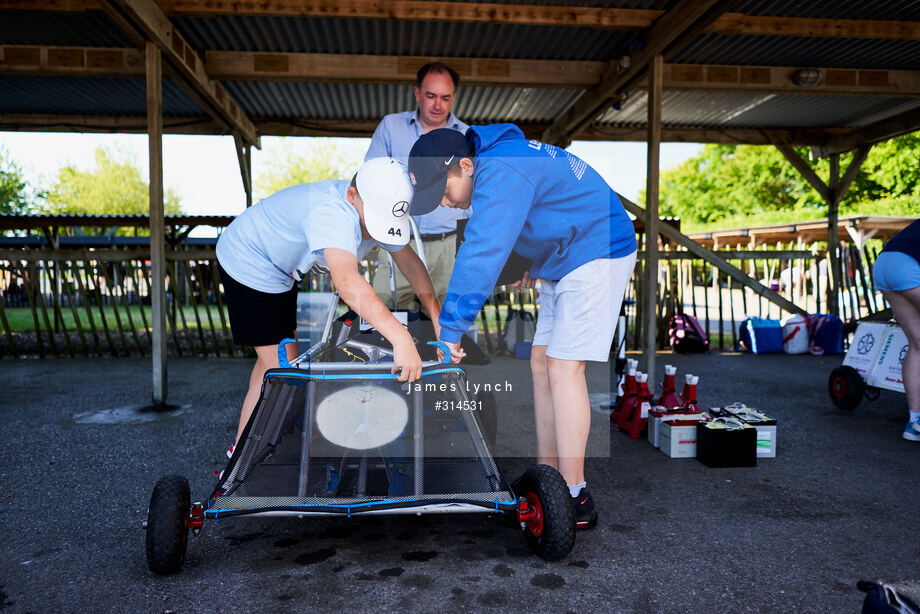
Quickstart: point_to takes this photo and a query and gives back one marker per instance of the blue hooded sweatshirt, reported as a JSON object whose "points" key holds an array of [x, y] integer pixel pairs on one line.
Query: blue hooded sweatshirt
{"points": [[543, 202]]}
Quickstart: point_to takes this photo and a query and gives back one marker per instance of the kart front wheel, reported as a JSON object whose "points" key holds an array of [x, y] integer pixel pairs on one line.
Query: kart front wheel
{"points": [[167, 528]]}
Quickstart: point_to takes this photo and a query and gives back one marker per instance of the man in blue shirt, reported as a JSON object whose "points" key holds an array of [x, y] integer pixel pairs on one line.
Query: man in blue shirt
{"points": [[394, 137], [552, 208]]}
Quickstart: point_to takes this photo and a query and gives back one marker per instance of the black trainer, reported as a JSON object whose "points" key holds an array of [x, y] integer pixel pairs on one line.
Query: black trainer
{"points": [[585, 514]]}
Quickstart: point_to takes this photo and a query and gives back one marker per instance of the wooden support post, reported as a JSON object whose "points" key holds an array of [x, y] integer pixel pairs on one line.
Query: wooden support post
{"points": [[833, 238], [244, 156], [832, 192], [650, 297], [157, 224]]}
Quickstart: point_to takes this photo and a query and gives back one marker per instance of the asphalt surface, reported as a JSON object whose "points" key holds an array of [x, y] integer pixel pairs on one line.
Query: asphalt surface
{"points": [[794, 534]]}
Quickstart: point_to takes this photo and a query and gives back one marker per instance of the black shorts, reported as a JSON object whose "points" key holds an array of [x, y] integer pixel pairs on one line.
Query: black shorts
{"points": [[258, 318]]}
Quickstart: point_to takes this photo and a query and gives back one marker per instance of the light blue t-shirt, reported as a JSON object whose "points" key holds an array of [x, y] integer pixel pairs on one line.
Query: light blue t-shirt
{"points": [[276, 241], [394, 137]]}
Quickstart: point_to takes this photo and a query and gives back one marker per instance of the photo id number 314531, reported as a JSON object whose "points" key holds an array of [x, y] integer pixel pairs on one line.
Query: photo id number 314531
{"points": [[458, 405]]}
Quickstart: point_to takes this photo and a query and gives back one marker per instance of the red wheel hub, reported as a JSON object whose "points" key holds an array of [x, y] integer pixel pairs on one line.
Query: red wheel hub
{"points": [[530, 513], [194, 521], [840, 387]]}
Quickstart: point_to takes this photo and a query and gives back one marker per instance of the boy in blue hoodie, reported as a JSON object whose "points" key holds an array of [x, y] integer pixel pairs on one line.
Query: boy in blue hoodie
{"points": [[554, 209]]}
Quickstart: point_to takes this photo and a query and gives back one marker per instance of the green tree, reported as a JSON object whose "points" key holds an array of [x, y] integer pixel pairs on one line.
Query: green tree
{"points": [[324, 159], [14, 192], [725, 184], [114, 187], [894, 167]]}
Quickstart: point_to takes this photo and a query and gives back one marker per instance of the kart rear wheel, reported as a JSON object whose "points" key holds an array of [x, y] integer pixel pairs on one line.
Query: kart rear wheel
{"points": [[551, 532], [846, 387], [167, 531]]}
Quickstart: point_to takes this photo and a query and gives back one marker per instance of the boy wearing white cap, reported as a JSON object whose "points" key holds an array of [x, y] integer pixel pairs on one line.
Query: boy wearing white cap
{"points": [[324, 226]]}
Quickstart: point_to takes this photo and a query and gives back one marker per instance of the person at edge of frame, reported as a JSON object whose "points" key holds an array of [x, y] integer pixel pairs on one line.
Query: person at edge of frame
{"points": [[897, 275]]}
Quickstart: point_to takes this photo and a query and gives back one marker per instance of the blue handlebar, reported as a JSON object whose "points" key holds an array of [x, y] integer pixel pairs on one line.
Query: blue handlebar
{"points": [[444, 348], [282, 352]]}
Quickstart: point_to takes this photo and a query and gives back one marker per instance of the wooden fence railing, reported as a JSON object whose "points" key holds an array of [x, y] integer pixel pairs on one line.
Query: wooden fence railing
{"points": [[95, 302]]}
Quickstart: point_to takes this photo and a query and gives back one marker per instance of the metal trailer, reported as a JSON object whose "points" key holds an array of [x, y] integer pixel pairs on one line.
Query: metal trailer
{"points": [[872, 363]]}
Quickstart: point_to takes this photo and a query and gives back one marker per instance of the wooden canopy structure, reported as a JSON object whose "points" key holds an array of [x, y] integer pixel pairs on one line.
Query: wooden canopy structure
{"points": [[859, 229], [832, 75]]}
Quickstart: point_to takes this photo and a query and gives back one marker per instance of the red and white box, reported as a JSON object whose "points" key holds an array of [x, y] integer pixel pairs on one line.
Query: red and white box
{"points": [[659, 414], [677, 437]]}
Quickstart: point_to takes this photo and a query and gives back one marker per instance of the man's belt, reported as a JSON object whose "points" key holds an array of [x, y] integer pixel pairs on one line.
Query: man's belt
{"points": [[438, 236]]}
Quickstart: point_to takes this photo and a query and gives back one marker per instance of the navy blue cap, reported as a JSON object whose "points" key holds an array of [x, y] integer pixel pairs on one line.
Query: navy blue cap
{"points": [[433, 154]]}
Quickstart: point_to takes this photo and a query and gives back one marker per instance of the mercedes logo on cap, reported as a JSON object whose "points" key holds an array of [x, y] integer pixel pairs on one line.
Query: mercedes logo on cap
{"points": [[400, 208]]}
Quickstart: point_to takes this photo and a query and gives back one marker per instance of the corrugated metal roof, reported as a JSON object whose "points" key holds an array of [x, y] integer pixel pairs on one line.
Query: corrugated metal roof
{"points": [[89, 96], [895, 10], [91, 29], [377, 36], [304, 101], [362, 101], [801, 51], [710, 109]]}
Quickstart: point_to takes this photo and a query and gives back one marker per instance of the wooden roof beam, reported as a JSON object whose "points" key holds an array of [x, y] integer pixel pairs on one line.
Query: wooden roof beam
{"points": [[905, 123], [365, 127], [364, 68], [517, 14], [144, 18], [667, 34]]}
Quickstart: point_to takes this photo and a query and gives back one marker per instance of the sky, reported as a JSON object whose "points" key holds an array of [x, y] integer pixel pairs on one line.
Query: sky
{"points": [[204, 172]]}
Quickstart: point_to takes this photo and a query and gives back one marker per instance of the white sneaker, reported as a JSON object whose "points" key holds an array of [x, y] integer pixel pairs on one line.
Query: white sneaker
{"points": [[230, 451]]}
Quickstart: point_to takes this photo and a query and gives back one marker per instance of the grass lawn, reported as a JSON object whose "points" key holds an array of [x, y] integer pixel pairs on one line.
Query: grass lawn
{"points": [[20, 318]]}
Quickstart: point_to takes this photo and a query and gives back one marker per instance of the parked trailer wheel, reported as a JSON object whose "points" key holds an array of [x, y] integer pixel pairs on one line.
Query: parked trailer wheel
{"points": [[549, 523], [167, 530], [846, 387]]}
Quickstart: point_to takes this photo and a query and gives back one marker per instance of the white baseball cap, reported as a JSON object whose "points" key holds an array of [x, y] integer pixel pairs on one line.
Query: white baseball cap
{"points": [[385, 189]]}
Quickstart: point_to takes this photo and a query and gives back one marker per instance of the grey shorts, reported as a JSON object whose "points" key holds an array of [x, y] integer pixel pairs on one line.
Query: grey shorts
{"points": [[579, 313]]}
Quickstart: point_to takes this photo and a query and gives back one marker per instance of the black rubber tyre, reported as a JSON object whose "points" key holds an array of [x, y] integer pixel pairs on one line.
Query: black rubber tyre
{"points": [[488, 418], [167, 534], [846, 388], [558, 535]]}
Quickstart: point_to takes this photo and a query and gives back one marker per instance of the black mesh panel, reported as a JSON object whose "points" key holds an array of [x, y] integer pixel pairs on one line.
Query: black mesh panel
{"points": [[347, 439]]}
